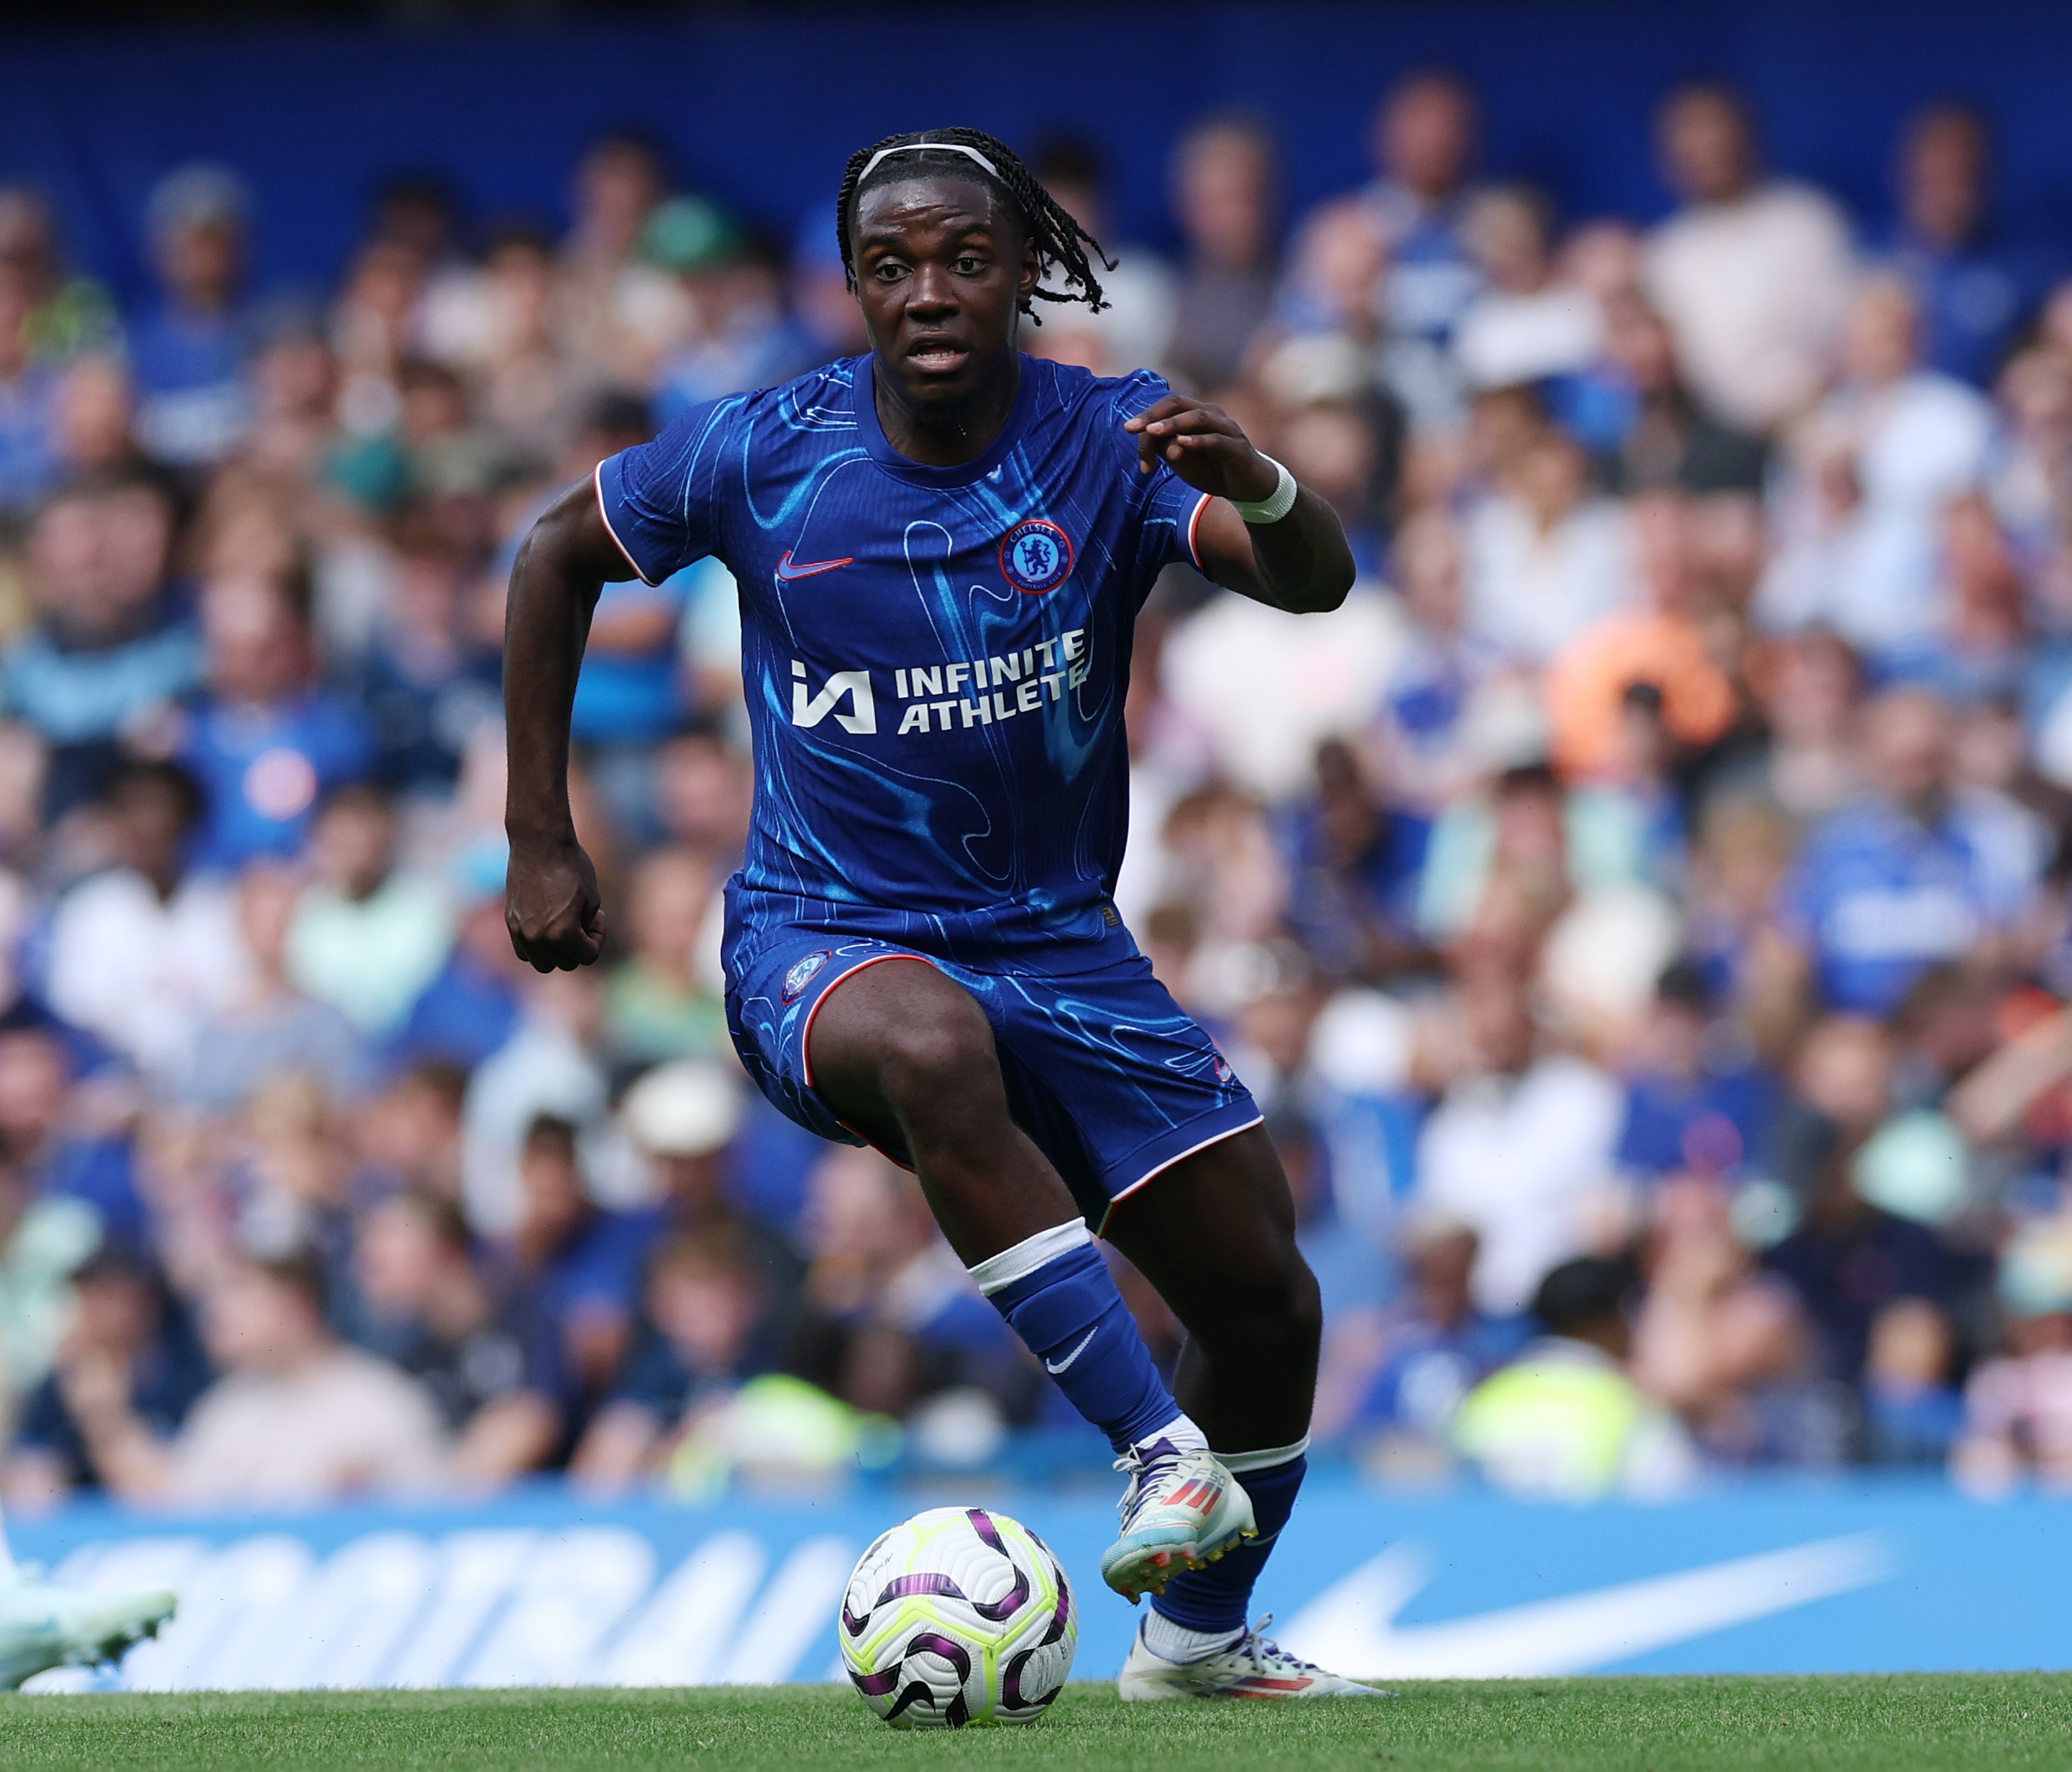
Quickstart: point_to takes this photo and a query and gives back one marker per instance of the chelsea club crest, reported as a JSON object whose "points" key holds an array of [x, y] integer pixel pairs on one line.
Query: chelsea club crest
{"points": [[803, 972], [1036, 556]]}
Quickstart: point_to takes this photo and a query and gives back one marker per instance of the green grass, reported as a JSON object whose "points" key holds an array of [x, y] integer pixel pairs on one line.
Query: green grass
{"points": [[1893, 1724]]}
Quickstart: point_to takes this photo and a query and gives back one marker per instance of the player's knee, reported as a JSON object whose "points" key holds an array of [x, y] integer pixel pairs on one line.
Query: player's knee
{"points": [[1290, 1315], [929, 1066], [1273, 1315], [1304, 1314]]}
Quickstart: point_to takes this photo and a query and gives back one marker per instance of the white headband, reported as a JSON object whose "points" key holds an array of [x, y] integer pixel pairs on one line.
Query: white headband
{"points": [[870, 166]]}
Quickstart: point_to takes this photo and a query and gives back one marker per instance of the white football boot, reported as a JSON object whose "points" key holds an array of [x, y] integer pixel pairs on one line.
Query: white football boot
{"points": [[1182, 1510], [43, 1626], [1253, 1667]]}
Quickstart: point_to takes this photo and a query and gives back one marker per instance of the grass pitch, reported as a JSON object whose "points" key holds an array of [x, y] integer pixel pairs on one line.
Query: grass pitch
{"points": [[1929, 1722]]}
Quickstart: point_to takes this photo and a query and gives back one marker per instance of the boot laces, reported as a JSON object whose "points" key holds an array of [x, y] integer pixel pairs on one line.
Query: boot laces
{"points": [[1137, 1468], [1266, 1656]]}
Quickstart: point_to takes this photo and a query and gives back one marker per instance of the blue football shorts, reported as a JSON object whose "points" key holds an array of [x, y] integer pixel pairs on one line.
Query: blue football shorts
{"points": [[1113, 1080]]}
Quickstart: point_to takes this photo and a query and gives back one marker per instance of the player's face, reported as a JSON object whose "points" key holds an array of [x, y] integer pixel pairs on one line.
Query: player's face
{"points": [[940, 272]]}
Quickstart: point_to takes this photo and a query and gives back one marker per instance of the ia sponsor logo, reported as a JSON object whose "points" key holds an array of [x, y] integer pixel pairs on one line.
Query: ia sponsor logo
{"points": [[853, 685]]}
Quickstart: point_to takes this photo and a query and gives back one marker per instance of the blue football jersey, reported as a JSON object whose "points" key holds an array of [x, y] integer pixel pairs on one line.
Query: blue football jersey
{"points": [[935, 658], [1878, 899]]}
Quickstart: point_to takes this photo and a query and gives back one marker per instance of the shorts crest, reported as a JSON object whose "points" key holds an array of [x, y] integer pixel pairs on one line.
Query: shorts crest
{"points": [[1036, 556], [803, 971]]}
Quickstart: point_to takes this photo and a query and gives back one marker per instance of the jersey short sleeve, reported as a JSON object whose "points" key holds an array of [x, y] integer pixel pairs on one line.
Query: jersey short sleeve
{"points": [[661, 500], [1172, 519]]}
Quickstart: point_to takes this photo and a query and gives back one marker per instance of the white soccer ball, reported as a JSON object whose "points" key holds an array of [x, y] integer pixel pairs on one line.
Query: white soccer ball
{"points": [[959, 1615]]}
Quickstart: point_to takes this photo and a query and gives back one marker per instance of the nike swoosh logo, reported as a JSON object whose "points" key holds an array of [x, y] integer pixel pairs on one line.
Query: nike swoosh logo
{"points": [[788, 572], [1076, 1352], [1352, 1623]]}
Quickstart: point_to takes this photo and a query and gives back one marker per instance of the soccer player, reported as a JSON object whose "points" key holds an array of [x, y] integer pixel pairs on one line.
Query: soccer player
{"points": [[44, 1625], [941, 546]]}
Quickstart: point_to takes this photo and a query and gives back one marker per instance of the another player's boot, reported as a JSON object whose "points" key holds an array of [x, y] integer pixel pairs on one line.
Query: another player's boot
{"points": [[1182, 1510], [43, 1626], [1253, 1667]]}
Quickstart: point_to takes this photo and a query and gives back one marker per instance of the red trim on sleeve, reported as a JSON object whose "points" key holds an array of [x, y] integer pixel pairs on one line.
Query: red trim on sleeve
{"points": [[1193, 525], [597, 485]]}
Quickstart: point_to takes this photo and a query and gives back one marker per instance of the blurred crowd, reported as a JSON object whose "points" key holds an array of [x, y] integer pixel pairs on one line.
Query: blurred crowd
{"points": [[1643, 910]]}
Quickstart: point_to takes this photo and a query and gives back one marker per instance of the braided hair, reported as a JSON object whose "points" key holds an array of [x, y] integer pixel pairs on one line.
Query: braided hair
{"points": [[1060, 242]]}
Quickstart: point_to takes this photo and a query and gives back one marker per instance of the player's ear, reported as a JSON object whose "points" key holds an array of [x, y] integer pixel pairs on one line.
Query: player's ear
{"points": [[1032, 269]]}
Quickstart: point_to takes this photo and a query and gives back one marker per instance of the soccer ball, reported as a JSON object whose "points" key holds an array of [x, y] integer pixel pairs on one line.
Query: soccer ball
{"points": [[958, 1616]]}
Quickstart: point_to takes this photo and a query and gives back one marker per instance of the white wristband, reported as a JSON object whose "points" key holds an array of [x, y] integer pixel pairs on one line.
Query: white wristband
{"points": [[1276, 505]]}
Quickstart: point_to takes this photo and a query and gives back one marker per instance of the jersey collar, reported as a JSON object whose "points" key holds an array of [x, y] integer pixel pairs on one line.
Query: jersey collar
{"points": [[921, 473]]}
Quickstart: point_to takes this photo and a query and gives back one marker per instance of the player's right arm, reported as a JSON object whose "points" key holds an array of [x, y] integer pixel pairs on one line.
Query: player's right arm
{"points": [[551, 902]]}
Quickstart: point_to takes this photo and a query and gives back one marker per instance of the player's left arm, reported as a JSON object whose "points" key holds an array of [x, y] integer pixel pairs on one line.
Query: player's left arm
{"points": [[1302, 563]]}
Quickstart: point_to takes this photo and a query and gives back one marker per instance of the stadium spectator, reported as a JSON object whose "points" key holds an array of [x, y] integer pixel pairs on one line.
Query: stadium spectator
{"points": [[1726, 1345], [188, 351], [266, 742], [427, 684], [2018, 1405], [472, 1006], [579, 1268], [706, 1325], [1909, 873], [368, 936], [1546, 557], [1423, 144], [1392, 1379], [28, 462], [1520, 1148], [411, 1130], [1425, 272], [1751, 273], [1525, 325], [297, 1418], [1226, 175], [1977, 279], [1871, 473], [68, 1150], [1564, 1421], [531, 385], [890, 1316], [1848, 1260], [1912, 1415], [70, 314], [621, 313], [740, 335], [130, 1333], [268, 1028], [108, 654], [1632, 406], [1692, 1108], [1353, 864], [424, 1304], [549, 1066], [1421, 728], [46, 1236], [1515, 853], [656, 1003], [143, 950]]}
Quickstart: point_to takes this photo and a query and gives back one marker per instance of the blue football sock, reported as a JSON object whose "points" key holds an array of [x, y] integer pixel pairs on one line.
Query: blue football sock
{"points": [[1215, 1598], [1057, 1293]]}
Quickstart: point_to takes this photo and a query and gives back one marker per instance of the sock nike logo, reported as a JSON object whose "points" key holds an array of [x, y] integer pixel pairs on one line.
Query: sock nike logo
{"points": [[1060, 1365], [788, 572]]}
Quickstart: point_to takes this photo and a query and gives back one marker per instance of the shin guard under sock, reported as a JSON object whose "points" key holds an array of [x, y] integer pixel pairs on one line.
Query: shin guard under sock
{"points": [[1057, 1294]]}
